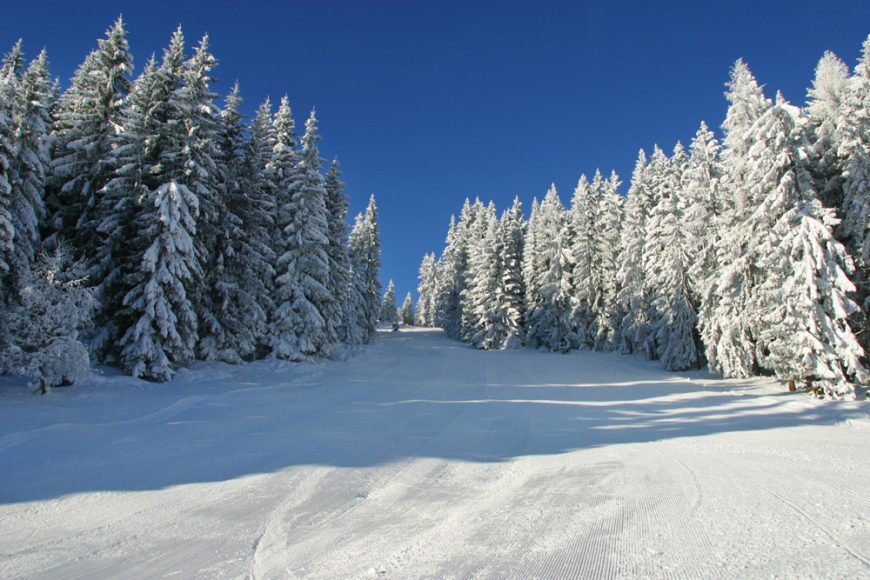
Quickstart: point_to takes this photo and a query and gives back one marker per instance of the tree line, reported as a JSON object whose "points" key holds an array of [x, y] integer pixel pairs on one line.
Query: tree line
{"points": [[145, 226], [750, 255]]}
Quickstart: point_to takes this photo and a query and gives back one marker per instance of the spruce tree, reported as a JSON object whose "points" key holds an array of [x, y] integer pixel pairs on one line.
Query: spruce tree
{"points": [[484, 292], [408, 315], [727, 327], [339, 267], [427, 290], [7, 153], [365, 259], [300, 329], [854, 149], [633, 297], [802, 302], [132, 154], [389, 310], [548, 319], [606, 311], [30, 164], [582, 226], [237, 269], [89, 115], [511, 241], [159, 319], [259, 209], [164, 329]]}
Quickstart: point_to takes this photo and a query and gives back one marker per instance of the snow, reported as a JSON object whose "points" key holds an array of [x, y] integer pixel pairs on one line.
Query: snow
{"points": [[422, 456]]}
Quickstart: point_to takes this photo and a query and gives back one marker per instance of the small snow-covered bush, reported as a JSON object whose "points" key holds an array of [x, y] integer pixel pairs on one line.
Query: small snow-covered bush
{"points": [[43, 327]]}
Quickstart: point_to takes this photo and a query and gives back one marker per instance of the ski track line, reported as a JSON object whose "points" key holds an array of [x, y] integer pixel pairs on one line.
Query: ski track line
{"points": [[685, 533]]}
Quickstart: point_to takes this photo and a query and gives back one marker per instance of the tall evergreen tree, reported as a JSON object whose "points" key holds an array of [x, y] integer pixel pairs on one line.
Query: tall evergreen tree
{"points": [[159, 320], [389, 310], [365, 260], [427, 290], [606, 312], [582, 226], [339, 267], [237, 269], [511, 241], [30, 163], [408, 315], [259, 208], [132, 154], [300, 329], [485, 329], [8, 86], [89, 116], [703, 209], [164, 331], [633, 297], [548, 319], [727, 327], [854, 149], [801, 304]]}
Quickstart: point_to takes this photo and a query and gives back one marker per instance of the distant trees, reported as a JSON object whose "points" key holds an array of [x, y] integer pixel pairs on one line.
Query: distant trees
{"points": [[172, 230], [750, 255]]}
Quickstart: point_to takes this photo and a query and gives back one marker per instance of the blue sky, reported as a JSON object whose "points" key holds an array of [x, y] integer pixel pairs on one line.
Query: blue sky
{"points": [[426, 103]]}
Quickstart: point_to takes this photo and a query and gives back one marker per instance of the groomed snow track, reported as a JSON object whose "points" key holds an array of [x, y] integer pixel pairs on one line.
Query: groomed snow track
{"points": [[422, 457]]}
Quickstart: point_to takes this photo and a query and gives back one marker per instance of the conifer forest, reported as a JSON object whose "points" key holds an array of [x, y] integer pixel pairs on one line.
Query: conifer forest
{"points": [[747, 253]]}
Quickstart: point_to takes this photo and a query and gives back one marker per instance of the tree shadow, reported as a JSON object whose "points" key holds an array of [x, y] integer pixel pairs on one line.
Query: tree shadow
{"points": [[373, 410]]}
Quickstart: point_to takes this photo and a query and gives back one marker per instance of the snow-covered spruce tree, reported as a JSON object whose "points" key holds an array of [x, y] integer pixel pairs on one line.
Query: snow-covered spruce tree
{"points": [[470, 233], [299, 328], [133, 152], [408, 315], [511, 240], [159, 320], [726, 322], [198, 122], [854, 149], [426, 290], [43, 328], [339, 267], [633, 297], [365, 259], [7, 153], [676, 335], [802, 300], [478, 272], [582, 224], [703, 208], [447, 297], [259, 211], [455, 269], [661, 181], [548, 318], [165, 327], [389, 310], [89, 115], [30, 163], [825, 102], [237, 268], [606, 311], [484, 291], [355, 306]]}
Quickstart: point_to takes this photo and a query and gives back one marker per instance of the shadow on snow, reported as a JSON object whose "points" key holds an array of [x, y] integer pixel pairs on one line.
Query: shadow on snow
{"points": [[412, 395]]}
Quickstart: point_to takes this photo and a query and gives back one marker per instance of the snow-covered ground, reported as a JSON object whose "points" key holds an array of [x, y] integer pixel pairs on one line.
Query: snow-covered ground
{"points": [[424, 457]]}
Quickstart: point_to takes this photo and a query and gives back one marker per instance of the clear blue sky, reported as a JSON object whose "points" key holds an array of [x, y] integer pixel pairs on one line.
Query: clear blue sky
{"points": [[426, 103]]}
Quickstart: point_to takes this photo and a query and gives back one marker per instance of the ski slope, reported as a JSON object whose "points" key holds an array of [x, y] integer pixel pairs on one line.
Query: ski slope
{"points": [[422, 457]]}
